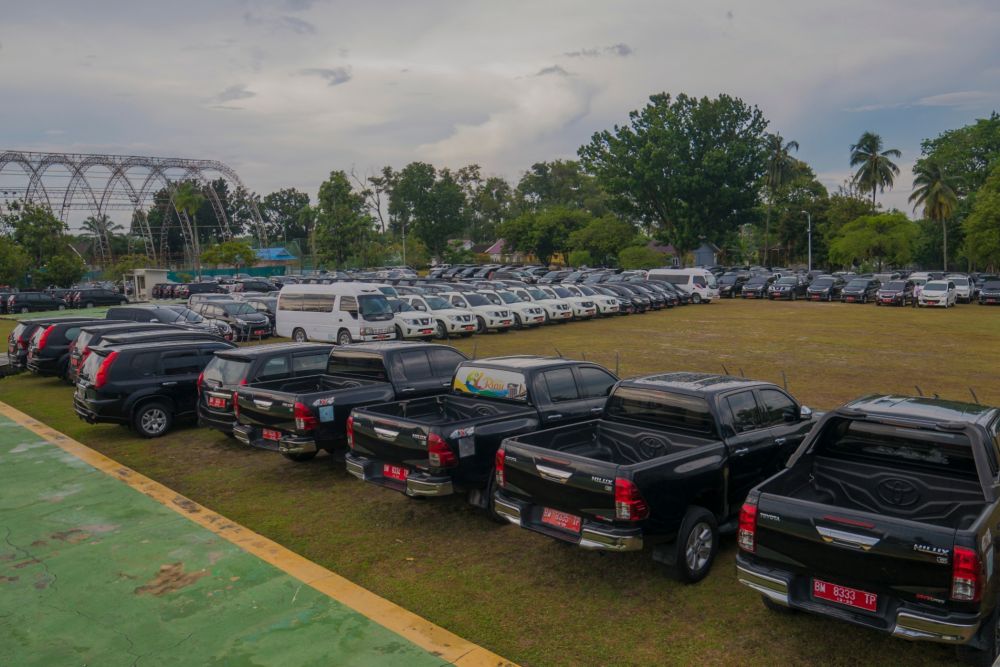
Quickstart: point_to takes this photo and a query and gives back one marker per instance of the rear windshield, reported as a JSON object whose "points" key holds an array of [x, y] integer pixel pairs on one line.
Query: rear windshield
{"points": [[662, 408], [227, 371], [356, 363], [83, 339], [897, 447], [18, 331], [90, 366], [932, 287]]}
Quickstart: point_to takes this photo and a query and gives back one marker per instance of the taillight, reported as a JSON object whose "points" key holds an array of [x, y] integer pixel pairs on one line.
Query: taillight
{"points": [[746, 535], [438, 453], [304, 419], [201, 380], [45, 337], [629, 503], [966, 575], [236, 405], [350, 431], [101, 378], [501, 460]]}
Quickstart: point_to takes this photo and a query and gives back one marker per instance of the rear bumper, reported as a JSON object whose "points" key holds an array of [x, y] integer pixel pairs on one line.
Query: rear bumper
{"points": [[220, 421], [99, 411], [916, 625], [417, 483], [592, 535], [288, 444]]}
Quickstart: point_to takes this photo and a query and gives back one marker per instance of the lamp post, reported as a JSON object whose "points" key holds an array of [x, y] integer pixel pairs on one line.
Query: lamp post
{"points": [[809, 232]]}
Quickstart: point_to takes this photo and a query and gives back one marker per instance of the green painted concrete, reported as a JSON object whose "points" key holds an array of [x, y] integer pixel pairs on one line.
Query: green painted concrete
{"points": [[93, 572]]}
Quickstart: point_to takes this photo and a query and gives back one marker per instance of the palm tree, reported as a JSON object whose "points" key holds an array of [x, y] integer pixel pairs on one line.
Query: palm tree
{"points": [[934, 190], [875, 170], [101, 228], [779, 163], [188, 199]]}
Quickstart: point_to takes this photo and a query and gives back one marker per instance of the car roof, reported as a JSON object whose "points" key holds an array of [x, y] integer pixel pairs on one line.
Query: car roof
{"points": [[696, 383], [260, 350], [389, 345], [56, 320], [183, 333], [922, 408], [167, 344]]}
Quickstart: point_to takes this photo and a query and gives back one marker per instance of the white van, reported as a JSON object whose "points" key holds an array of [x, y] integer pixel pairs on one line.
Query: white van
{"points": [[699, 283], [340, 312]]}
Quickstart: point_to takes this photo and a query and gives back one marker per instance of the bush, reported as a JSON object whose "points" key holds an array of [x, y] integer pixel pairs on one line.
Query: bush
{"points": [[580, 258]]}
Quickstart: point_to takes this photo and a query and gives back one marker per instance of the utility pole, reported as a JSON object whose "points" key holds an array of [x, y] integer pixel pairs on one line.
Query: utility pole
{"points": [[809, 232]]}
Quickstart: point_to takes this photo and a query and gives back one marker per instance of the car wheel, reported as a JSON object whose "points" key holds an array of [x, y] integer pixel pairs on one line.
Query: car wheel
{"points": [[344, 337], [776, 607], [696, 298], [518, 324], [442, 331], [990, 635], [399, 333], [89, 305], [62, 307], [480, 325], [25, 309], [301, 457], [697, 544], [152, 420], [299, 336]]}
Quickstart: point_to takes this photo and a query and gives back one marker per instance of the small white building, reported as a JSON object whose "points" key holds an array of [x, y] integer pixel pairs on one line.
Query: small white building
{"points": [[142, 281]]}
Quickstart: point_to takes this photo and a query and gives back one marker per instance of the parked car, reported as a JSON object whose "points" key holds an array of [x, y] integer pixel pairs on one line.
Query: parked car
{"points": [[860, 290], [699, 283], [445, 444], [93, 333], [448, 321], [50, 345], [606, 305], [488, 316], [639, 301], [668, 463], [730, 284], [299, 417], [788, 287], [90, 298], [33, 302], [20, 337], [964, 288], [938, 293], [410, 323], [244, 320], [756, 287], [338, 312], [556, 310], [989, 293], [895, 293], [825, 288], [254, 285], [266, 305], [228, 370], [526, 314], [159, 291], [146, 386], [886, 517], [177, 315]]}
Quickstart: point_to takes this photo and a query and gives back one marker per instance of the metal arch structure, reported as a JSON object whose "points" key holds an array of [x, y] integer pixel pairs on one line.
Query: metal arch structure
{"points": [[88, 190]]}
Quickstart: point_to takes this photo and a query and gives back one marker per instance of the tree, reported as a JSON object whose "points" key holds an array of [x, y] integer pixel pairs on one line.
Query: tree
{"points": [[236, 253], [879, 238], [40, 233], [124, 264], [779, 163], [100, 228], [287, 215], [801, 193], [62, 270], [640, 257], [429, 204], [544, 233], [14, 262], [690, 167], [561, 183], [602, 239], [875, 170], [343, 225], [188, 199], [580, 258], [967, 154], [982, 226], [933, 189]]}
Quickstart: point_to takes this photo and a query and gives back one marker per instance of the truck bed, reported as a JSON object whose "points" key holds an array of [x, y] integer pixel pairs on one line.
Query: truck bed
{"points": [[440, 410], [310, 384]]}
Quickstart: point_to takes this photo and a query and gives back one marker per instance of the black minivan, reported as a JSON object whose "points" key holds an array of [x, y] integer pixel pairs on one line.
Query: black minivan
{"points": [[145, 386], [49, 349], [244, 320], [27, 302]]}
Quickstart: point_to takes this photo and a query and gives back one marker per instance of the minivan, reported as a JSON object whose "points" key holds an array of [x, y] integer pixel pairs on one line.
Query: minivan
{"points": [[340, 312], [699, 283]]}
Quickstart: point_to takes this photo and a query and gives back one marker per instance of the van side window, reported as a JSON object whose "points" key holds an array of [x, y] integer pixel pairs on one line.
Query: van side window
{"points": [[317, 303], [348, 304], [290, 302]]}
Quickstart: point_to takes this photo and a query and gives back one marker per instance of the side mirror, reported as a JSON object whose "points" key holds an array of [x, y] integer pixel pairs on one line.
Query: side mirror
{"points": [[805, 412]]}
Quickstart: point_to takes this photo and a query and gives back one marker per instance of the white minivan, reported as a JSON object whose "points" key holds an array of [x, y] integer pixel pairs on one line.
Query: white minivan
{"points": [[699, 283], [340, 312]]}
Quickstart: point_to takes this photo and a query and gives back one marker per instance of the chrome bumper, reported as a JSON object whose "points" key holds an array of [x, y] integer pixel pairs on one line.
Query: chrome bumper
{"points": [[417, 483], [591, 537]]}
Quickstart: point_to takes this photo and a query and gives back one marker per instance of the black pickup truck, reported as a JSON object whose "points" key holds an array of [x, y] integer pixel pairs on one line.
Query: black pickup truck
{"points": [[887, 517], [437, 446], [300, 416], [668, 464]]}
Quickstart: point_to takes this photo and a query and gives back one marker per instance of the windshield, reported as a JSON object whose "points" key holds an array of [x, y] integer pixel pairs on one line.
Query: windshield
{"points": [[476, 299], [789, 281], [508, 297], [401, 307], [858, 283], [561, 291], [270, 304], [894, 286], [992, 284], [239, 309], [822, 282], [226, 372], [710, 279], [728, 280], [168, 315], [538, 294], [493, 298], [437, 303], [935, 286], [586, 291], [756, 281], [964, 282], [374, 308], [388, 291], [574, 291]]}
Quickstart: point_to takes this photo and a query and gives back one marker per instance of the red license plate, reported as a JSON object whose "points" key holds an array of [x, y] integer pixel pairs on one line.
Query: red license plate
{"points": [[426, 332], [561, 520], [270, 434], [504, 322], [215, 402], [850, 298], [469, 327], [382, 337], [991, 300], [258, 332], [849, 597], [395, 472]]}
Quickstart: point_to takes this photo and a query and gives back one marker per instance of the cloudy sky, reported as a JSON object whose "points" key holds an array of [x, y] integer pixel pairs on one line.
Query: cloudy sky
{"points": [[287, 91]]}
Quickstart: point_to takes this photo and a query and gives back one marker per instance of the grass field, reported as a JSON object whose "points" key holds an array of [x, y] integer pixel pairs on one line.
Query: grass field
{"points": [[539, 602]]}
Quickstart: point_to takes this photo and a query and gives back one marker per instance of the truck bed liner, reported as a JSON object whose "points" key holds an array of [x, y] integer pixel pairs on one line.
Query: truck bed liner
{"points": [[620, 444]]}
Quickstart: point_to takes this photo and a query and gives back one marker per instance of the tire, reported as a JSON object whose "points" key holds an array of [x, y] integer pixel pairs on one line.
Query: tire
{"points": [[25, 309], [299, 336], [773, 606], [442, 331], [153, 419], [61, 307], [480, 325], [344, 337], [300, 458], [970, 655], [696, 298], [491, 511], [697, 544], [518, 324], [399, 333], [89, 305]]}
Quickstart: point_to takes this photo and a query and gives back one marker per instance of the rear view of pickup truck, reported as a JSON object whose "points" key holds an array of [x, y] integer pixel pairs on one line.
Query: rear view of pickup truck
{"points": [[887, 517]]}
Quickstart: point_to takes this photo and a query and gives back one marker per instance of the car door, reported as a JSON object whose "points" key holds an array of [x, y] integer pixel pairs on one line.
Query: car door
{"points": [[444, 361], [751, 445], [595, 386], [179, 370], [413, 374], [564, 403], [780, 418]]}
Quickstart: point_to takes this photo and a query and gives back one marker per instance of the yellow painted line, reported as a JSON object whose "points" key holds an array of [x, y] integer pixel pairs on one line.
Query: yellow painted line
{"points": [[428, 636]]}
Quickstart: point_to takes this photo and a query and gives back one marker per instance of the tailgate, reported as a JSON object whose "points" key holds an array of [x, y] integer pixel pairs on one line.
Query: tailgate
{"points": [[876, 553], [270, 409], [390, 439], [560, 480]]}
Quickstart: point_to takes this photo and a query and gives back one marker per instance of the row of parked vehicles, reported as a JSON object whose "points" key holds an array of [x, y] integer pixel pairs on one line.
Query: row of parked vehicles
{"points": [[61, 299], [882, 513]]}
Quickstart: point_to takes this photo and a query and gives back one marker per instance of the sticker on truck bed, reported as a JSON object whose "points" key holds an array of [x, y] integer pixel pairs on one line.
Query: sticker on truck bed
{"points": [[490, 383]]}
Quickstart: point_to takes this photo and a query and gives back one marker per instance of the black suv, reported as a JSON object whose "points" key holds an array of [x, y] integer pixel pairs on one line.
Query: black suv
{"points": [[177, 315], [145, 386], [232, 368], [989, 293], [825, 288], [244, 320], [896, 293], [26, 302], [730, 285], [98, 296], [254, 286], [860, 290], [19, 338], [268, 305], [49, 349], [757, 287], [92, 334]]}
